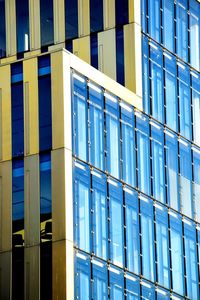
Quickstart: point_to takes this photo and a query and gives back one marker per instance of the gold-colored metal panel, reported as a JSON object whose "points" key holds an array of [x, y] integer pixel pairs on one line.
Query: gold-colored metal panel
{"points": [[5, 113], [81, 48], [135, 11], [31, 200], [59, 21], [133, 58], [107, 52], [61, 100], [7, 60], [31, 119], [32, 53], [109, 13], [83, 17], [63, 270], [5, 206], [10, 28], [32, 273], [34, 24], [5, 275]]}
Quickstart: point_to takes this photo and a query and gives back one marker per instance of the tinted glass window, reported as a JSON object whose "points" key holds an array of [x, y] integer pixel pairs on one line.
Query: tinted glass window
{"points": [[22, 22], [46, 22], [2, 29]]}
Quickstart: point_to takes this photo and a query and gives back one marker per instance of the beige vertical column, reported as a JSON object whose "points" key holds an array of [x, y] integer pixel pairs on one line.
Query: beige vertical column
{"points": [[11, 44], [59, 21], [5, 113], [62, 200], [107, 53], [5, 229], [81, 48], [32, 227], [34, 23], [133, 49], [83, 17], [109, 13], [31, 118]]}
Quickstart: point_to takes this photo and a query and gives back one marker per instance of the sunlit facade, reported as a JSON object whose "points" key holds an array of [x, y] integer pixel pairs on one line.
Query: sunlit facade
{"points": [[99, 169]]}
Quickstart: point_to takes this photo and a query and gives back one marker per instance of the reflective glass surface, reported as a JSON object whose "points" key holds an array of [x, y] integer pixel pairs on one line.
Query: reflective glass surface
{"points": [[22, 23], [2, 29]]}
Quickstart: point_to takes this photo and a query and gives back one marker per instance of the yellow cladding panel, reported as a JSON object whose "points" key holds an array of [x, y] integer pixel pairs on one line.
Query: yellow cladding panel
{"points": [[83, 17], [59, 21], [5, 113], [5, 206], [34, 21], [31, 118], [107, 53], [133, 58], [109, 13], [135, 11], [32, 273], [81, 48], [10, 27]]}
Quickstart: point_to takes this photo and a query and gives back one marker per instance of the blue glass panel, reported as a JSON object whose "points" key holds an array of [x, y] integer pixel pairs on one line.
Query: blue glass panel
{"points": [[144, 15], [80, 138], [184, 101], [171, 91], [112, 135], [45, 122], [147, 238], [148, 291], [156, 71], [18, 194], [71, 19], [196, 181], [17, 119], [116, 223], [132, 287], [82, 206], [163, 294], [22, 23], [16, 72], [198, 244], [132, 231], [44, 67], [191, 260], [196, 106], [120, 54], [181, 29], [158, 171], [121, 12], [176, 253], [168, 24], [46, 22], [128, 144], [143, 153], [154, 23], [185, 178], [94, 50], [100, 280], [82, 276], [2, 29], [116, 284], [194, 26], [162, 246], [171, 151], [99, 218], [45, 196], [145, 77], [96, 118], [96, 15]]}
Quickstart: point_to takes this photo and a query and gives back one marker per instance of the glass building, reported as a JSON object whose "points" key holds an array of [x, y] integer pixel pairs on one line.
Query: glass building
{"points": [[99, 169]]}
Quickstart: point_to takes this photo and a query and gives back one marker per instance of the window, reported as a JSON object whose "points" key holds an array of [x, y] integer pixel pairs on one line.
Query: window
{"points": [[143, 152], [121, 12], [168, 24], [82, 206], [71, 19], [99, 216], [80, 136], [2, 30], [194, 27], [163, 294], [116, 284], [94, 50], [112, 135], [82, 276], [128, 144], [196, 181], [145, 75], [154, 24], [132, 231], [22, 23], [182, 29], [96, 121], [116, 223], [148, 291], [196, 106], [96, 15], [147, 238], [100, 281], [132, 287], [46, 22], [120, 54]]}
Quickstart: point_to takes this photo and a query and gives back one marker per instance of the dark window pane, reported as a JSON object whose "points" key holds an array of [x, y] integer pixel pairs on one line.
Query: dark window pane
{"points": [[46, 21], [120, 55], [2, 29], [94, 50], [96, 15], [71, 19], [121, 12], [22, 23]]}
